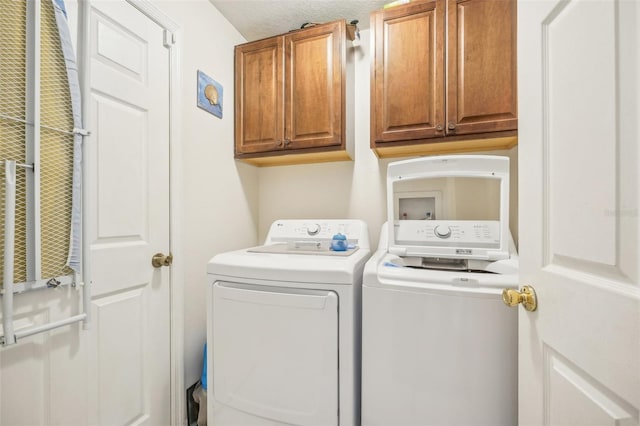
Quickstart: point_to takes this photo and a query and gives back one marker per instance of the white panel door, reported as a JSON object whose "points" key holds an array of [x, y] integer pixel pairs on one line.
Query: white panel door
{"points": [[579, 91], [275, 354], [129, 360], [117, 372]]}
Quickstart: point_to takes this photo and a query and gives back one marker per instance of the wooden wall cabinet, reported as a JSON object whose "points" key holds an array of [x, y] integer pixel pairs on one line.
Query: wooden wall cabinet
{"points": [[291, 97], [443, 77]]}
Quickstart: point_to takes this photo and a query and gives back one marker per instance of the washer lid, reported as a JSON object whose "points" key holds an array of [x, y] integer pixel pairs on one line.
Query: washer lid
{"points": [[453, 206], [299, 250], [299, 268], [303, 247], [312, 234]]}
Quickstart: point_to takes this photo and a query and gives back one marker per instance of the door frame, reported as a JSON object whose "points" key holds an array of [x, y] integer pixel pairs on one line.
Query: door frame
{"points": [[172, 41]]}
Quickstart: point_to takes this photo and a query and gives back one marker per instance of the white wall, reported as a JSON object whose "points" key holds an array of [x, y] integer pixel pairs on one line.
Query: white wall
{"points": [[349, 189], [353, 189], [220, 197]]}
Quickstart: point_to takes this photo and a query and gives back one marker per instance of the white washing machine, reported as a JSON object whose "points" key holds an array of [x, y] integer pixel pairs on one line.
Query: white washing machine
{"points": [[439, 345], [283, 327]]}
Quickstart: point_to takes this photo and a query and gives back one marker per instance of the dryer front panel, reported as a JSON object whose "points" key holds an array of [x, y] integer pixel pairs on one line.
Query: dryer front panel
{"points": [[275, 352]]}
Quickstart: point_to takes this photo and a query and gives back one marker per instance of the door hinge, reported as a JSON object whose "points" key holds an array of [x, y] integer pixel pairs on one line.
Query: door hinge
{"points": [[169, 38]]}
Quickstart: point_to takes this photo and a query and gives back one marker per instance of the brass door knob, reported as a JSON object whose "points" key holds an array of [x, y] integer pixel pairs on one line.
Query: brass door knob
{"points": [[159, 260], [526, 296]]}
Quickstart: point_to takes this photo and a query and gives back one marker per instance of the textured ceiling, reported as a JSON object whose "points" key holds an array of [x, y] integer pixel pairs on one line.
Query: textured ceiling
{"points": [[256, 19]]}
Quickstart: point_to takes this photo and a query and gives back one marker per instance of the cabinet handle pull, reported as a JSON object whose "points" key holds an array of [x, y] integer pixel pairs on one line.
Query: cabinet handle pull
{"points": [[452, 126]]}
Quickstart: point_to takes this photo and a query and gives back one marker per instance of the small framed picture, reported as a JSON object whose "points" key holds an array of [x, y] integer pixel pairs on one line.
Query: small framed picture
{"points": [[209, 94]]}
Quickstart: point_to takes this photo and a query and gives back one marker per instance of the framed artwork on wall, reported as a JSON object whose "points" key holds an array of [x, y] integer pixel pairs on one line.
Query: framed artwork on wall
{"points": [[209, 94]]}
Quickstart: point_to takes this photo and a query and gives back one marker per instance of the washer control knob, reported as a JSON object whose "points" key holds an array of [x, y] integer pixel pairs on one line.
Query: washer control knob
{"points": [[442, 231], [313, 229]]}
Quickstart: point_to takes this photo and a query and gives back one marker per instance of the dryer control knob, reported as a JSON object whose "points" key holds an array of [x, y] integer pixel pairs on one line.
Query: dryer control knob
{"points": [[442, 231], [313, 229]]}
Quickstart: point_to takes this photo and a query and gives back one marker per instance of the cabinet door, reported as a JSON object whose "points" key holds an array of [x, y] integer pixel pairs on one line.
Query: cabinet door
{"points": [[407, 73], [259, 97], [481, 68], [315, 86]]}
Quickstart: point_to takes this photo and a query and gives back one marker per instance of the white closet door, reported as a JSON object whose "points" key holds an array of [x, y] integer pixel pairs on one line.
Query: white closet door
{"points": [[129, 358], [275, 352], [118, 372], [579, 92]]}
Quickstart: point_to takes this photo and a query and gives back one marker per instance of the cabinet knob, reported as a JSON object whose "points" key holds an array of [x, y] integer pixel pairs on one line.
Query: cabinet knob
{"points": [[439, 127], [452, 126], [287, 142]]}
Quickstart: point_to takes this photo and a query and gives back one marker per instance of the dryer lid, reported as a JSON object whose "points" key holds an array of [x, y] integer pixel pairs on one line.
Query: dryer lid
{"points": [[453, 206]]}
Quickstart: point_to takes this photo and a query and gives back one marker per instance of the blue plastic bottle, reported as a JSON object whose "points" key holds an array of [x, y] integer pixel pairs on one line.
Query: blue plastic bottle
{"points": [[339, 242]]}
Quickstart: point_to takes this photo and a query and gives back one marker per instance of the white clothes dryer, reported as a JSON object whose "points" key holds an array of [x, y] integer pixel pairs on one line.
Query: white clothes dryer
{"points": [[439, 345], [283, 327]]}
